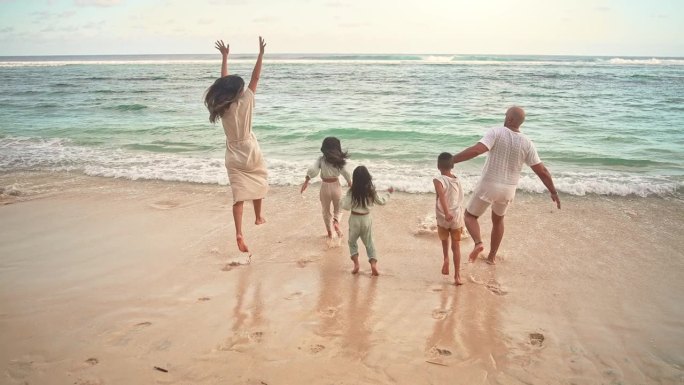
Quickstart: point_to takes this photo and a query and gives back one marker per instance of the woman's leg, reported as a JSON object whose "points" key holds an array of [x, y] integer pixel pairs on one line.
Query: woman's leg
{"points": [[326, 199], [257, 212], [237, 218], [336, 194]]}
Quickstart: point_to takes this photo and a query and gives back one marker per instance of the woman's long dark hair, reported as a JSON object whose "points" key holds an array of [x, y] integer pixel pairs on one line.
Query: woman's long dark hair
{"points": [[222, 94], [332, 152], [362, 189]]}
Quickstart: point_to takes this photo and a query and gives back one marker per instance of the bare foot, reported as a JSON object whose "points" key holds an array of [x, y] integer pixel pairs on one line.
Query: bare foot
{"points": [[491, 260], [445, 267], [479, 247], [260, 221], [355, 259], [374, 269], [242, 246], [457, 279]]}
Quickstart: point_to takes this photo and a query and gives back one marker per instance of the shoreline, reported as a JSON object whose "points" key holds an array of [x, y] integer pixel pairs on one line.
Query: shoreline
{"points": [[103, 279]]}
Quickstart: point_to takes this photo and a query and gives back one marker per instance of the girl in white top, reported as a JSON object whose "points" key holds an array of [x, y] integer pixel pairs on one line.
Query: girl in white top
{"points": [[228, 100], [331, 165], [449, 213]]}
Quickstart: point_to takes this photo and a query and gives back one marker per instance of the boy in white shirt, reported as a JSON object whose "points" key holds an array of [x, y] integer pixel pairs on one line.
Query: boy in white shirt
{"points": [[449, 213]]}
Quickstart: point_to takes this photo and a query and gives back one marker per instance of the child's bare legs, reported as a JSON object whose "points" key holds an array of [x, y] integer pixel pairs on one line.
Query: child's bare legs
{"points": [[237, 218], [374, 267], [257, 212], [445, 251], [456, 249], [497, 236], [355, 259], [473, 227]]}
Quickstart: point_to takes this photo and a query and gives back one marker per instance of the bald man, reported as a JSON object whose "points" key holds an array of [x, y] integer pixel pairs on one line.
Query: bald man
{"points": [[508, 150]]}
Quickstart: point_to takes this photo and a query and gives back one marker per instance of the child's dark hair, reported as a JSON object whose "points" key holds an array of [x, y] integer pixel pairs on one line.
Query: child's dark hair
{"points": [[445, 161], [362, 190], [332, 151], [221, 94]]}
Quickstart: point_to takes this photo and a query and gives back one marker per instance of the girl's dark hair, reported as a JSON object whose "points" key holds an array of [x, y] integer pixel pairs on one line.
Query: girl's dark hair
{"points": [[332, 152], [221, 94], [362, 190]]}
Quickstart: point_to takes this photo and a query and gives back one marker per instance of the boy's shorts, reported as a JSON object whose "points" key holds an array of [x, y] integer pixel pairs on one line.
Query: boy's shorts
{"points": [[444, 233]]}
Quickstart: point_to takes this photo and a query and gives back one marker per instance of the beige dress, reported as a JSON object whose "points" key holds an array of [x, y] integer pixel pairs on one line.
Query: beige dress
{"points": [[244, 162]]}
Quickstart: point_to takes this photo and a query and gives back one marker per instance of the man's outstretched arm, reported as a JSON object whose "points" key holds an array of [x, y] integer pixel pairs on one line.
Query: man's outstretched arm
{"points": [[470, 152], [545, 176]]}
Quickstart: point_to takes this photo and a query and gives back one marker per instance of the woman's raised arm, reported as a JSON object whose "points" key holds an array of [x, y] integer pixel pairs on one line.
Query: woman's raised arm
{"points": [[256, 72], [224, 49]]}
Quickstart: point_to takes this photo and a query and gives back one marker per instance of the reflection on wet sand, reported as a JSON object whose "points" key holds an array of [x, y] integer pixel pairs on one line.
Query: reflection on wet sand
{"points": [[329, 298], [467, 328], [360, 311]]}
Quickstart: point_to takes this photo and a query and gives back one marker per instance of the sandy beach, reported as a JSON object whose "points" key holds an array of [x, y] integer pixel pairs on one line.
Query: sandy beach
{"points": [[108, 281]]}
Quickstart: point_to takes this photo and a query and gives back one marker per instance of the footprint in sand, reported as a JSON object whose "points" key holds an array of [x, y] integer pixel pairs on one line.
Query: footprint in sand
{"points": [[316, 348], [125, 336], [92, 361], [88, 381], [302, 262], [241, 341], [536, 339], [18, 370], [164, 205], [436, 352], [496, 288], [294, 295], [237, 263], [162, 345], [203, 299], [440, 314], [329, 312]]}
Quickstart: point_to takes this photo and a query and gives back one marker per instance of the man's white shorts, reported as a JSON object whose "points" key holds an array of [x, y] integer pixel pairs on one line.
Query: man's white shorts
{"points": [[487, 193]]}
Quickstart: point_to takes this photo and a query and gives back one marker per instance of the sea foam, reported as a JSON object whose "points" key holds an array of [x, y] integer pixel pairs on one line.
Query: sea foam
{"points": [[17, 154]]}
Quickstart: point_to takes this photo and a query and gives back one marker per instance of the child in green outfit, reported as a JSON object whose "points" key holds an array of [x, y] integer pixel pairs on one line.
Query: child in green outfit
{"points": [[359, 199]]}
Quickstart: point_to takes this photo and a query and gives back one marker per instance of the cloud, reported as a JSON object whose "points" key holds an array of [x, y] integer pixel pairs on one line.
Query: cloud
{"points": [[97, 3], [264, 19], [353, 25], [6, 29], [337, 4]]}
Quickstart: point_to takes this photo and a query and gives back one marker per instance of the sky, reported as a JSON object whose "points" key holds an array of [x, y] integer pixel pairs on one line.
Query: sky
{"points": [[653, 28]]}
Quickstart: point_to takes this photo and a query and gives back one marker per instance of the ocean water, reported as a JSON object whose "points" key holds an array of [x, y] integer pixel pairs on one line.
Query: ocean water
{"points": [[602, 125]]}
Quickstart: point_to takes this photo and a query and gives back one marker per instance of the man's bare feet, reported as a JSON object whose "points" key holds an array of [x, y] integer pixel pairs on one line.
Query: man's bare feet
{"points": [[491, 260], [457, 279], [479, 247], [242, 246], [445, 267], [355, 259], [260, 221], [374, 268]]}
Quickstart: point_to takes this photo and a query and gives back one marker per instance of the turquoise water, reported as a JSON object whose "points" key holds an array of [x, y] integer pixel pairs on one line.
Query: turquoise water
{"points": [[601, 125]]}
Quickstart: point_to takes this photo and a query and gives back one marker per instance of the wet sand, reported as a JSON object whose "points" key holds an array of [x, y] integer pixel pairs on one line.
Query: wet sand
{"points": [[102, 280]]}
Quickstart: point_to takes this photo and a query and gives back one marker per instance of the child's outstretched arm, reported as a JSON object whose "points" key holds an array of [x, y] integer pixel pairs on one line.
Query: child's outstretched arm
{"points": [[439, 189], [224, 49], [256, 72], [382, 199]]}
